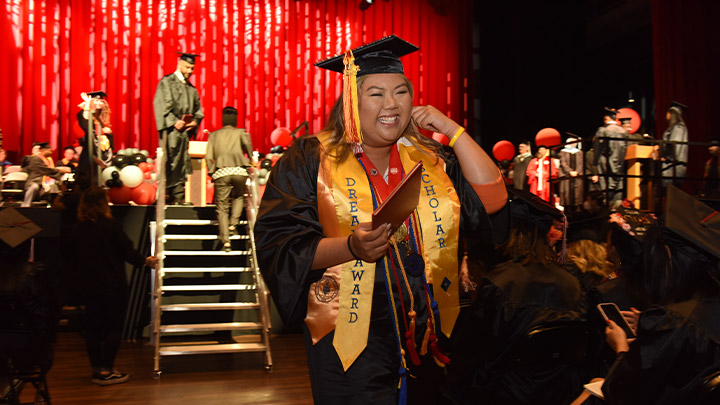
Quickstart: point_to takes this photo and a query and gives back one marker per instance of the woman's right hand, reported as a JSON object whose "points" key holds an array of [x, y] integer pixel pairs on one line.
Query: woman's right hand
{"points": [[616, 337], [370, 244]]}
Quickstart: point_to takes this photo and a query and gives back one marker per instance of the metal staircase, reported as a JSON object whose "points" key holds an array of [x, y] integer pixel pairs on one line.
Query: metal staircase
{"points": [[205, 300]]}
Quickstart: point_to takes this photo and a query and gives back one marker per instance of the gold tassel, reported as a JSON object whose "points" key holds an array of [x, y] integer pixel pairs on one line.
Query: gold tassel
{"points": [[351, 117]]}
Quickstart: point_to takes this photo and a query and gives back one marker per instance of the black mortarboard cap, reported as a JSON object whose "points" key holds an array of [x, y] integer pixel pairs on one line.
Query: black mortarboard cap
{"points": [[693, 220], [611, 112], [43, 145], [527, 207], [632, 221], [188, 57], [625, 119], [679, 107], [98, 93], [715, 142], [381, 56], [229, 110], [15, 228]]}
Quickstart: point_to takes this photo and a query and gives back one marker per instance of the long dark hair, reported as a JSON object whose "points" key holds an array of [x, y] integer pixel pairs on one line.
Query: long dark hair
{"points": [[674, 269], [528, 244], [93, 205], [340, 149]]}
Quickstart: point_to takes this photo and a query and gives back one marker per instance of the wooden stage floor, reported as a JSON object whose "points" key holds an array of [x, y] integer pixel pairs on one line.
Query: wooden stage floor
{"points": [[208, 379]]}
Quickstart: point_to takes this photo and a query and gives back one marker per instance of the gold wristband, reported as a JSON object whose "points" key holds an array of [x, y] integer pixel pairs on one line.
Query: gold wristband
{"points": [[456, 136]]}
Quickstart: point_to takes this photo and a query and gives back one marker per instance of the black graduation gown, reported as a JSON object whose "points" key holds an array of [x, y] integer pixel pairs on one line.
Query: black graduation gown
{"points": [[513, 299], [173, 99], [105, 156], [677, 346], [287, 233]]}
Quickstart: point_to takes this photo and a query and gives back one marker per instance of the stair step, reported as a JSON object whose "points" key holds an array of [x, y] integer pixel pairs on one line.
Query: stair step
{"points": [[205, 253], [207, 327], [210, 349], [196, 222], [210, 306], [201, 237], [207, 269], [211, 287]]}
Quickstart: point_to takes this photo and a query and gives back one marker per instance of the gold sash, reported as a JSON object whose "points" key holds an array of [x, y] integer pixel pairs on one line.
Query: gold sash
{"points": [[439, 211]]}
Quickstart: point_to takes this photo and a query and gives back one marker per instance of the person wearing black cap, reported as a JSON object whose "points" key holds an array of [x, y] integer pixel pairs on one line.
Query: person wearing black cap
{"points": [[529, 291], [102, 149], [228, 166], [678, 343], [34, 151], [674, 157], [42, 175], [711, 186], [374, 303], [520, 163], [178, 114], [571, 166], [609, 155]]}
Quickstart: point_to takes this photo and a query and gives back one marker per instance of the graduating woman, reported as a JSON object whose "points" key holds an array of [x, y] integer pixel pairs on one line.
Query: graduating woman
{"points": [[374, 302]]}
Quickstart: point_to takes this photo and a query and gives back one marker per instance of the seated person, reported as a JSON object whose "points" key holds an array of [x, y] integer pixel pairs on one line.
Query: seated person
{"points": [[678, 341], [35, 150], [41, 175], [68, 159], [529, 291], [3, 160]]}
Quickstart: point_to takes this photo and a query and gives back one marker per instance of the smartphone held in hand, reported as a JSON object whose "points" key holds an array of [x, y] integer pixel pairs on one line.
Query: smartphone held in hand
{"points": [[610, 311]]}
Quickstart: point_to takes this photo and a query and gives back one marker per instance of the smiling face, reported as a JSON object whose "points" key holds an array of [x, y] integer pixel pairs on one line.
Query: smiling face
{"points": [[385, 107]]}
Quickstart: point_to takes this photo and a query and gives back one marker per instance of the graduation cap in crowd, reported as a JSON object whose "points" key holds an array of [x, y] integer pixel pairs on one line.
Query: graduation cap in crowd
{"points": [[15, 228], [632, 221], [693, 220], [97, 94], [610, 112], [677, 106], [188, 57], [381, 56], [625, 120], [42, 145], [527, 207]]}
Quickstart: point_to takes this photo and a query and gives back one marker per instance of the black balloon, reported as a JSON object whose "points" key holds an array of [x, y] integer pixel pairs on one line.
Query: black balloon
{"points": [[109, 182], [115, 175], [266, 164], [120, 161], [137, 159]]}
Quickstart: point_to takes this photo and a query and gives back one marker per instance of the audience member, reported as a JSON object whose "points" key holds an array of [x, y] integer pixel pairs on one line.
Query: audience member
{"points": [[3, 160], [674, 156], [100, 249], [711, 186], [68, 159], [529, 291], [33, 152], [42, 175]]}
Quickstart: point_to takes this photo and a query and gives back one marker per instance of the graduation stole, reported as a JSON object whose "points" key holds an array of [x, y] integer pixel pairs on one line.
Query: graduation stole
{"points": [[439, 208]]}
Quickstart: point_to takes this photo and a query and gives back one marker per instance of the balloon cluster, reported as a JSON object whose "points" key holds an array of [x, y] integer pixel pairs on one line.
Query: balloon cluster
{"points": [[131, 177], [265, 165]]}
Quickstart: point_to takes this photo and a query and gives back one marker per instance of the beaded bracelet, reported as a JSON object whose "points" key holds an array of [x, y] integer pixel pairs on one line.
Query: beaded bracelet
{"points": [[350, 248], [456, 136]]}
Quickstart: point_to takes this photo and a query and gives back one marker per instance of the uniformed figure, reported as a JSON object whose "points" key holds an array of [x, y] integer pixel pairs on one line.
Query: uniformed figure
{"points": [[571, 166], [609, 155], [520, 163], [228, 166], [178, 114], [675, 156]]}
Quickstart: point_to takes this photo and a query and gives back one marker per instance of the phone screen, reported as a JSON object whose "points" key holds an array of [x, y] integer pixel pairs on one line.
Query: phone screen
{"points": [[610, 311]]}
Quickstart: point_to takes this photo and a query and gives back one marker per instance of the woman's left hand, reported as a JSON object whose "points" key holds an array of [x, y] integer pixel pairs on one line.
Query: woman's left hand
{"points": [[616, 337], [430, 118]]}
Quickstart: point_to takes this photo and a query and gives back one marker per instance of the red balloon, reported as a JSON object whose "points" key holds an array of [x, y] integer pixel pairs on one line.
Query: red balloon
{"points": [[440, 138], [635, 120], [274, 158], [503, 150], [144, 194], [147, 175], [143, 166], [548, 137], [281, 137], [120, 195], [209, 190]]}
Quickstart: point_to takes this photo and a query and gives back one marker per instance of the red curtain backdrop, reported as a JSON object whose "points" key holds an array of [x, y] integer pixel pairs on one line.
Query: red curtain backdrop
{"points": [[686, 62], [255, 55]]}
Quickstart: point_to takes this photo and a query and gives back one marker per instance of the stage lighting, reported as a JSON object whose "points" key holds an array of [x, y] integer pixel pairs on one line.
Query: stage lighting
{"points": [[365, 4]]}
